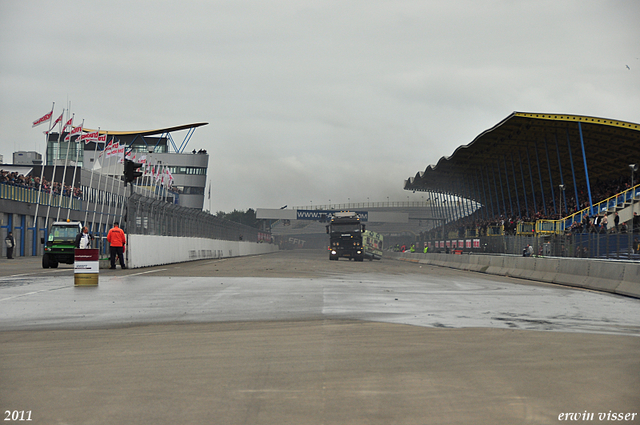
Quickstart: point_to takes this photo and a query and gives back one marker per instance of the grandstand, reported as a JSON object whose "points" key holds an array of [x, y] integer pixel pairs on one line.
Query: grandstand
{"points": [[545, 177]]}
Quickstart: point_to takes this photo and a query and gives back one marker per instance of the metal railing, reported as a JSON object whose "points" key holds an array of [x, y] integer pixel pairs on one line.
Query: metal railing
{"points": [[148, 216], [28, 194], [615, 202]]}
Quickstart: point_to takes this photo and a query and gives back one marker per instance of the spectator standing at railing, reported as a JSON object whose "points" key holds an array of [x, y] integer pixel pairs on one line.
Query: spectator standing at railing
{"points": [[616, 222]]}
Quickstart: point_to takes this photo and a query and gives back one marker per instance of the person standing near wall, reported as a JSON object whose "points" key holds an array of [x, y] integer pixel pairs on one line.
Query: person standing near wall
{"points": [[117, 242], [10, 242], [83, 240]]}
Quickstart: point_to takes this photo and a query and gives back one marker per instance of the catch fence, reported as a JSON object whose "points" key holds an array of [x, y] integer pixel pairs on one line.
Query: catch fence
{"points": [[148, 216]]}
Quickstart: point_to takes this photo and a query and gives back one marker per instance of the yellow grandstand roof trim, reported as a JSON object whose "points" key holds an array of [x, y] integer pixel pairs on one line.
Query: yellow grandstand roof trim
{"points": [[580, 118], [148, 132]]}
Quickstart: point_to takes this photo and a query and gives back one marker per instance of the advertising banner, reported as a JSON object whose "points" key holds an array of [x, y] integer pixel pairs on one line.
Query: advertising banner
{"points": [[86, 267]]}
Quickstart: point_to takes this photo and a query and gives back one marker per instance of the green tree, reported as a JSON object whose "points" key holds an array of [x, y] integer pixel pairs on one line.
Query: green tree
{"points": [[248, 217]]}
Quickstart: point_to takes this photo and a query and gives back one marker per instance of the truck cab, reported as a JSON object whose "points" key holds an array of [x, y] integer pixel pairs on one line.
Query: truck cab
{"points": [[345, 236], [61, 243]]}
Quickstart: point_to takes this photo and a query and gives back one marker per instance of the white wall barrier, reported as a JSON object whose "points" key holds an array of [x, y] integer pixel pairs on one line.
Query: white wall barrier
{"points": [[610, 276], [150, 250]]}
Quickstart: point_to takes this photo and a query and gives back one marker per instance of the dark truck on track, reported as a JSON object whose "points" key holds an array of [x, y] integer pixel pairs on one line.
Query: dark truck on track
{"points": [[345, 236]]}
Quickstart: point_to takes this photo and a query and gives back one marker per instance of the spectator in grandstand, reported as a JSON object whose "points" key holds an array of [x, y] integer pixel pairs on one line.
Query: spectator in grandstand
{"points": [[616, 222]]}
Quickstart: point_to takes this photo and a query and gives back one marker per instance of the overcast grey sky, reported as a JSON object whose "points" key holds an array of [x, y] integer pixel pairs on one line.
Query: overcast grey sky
{"points": [[311, 101]]}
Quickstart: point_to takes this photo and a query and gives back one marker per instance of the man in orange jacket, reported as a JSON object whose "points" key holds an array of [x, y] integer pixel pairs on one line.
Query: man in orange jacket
{"points": [[117, 241]]}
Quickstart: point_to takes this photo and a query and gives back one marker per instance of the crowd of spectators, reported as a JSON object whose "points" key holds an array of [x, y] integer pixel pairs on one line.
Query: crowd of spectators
{"points": [[481, 226], [33, 182]]}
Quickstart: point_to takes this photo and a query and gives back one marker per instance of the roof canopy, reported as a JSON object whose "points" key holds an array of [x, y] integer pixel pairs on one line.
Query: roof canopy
{"points": [[529, 153], [147, 132]]}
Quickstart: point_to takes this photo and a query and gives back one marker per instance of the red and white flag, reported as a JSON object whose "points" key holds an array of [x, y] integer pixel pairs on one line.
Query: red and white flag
{"points": [[107, 149], [89, 137], [102, 138], [44, 119], [68, 125], [59, 119], [73, 132]]}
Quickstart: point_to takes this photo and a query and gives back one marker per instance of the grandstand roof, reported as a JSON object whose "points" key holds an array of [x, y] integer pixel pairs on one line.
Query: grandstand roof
{"points": [[148, 132], [534, 146]]}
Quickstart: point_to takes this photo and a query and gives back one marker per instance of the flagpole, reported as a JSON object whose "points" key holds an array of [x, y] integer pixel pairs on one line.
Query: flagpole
{"points": [[124, 153], [93, 219], [75, 168], [114, 200], [95, 153], [66, 165], [53, 175], [46, 144], [107, 154]]}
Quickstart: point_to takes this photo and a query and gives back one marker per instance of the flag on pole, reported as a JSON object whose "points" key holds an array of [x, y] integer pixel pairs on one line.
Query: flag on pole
{"points": [[57, 120], [68, 125], [108, 148], [45, 118], [89, 137], [73, 132]]}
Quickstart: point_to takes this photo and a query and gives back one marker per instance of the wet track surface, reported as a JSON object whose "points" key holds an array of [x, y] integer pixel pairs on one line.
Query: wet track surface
{"points": [[293, 338], [411, 294]]}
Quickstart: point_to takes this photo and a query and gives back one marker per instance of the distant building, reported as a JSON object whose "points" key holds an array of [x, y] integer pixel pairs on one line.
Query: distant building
{"points": [[189, 170], [27, 158]]}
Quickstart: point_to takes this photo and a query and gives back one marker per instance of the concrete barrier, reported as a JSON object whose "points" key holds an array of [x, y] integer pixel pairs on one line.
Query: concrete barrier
{"points": [[151, 250], [572, 272], [617, 277]]}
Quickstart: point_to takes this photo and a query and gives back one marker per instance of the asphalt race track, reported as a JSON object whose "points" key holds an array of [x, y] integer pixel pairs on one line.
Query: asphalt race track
{"points": [[293, 338]]}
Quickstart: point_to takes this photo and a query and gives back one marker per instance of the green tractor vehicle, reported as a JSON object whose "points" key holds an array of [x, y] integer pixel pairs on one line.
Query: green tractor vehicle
{"points": [[60, 244]]}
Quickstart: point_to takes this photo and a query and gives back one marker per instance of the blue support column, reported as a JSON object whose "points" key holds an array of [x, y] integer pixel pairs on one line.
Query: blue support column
{"points": [[515, 185], [22, 227], [452, 207], [586, 170], [533, 188], [456, 205], [506, 177], [493, 214], [544, 204], [504, 204], [467, 197], [553, 193], [524, 187], [561, 177], [573, 173], [447, 210], [483, 195]]}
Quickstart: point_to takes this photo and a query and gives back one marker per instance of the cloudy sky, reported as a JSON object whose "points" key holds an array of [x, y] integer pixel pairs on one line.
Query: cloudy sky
{"points": [[314, 101]]}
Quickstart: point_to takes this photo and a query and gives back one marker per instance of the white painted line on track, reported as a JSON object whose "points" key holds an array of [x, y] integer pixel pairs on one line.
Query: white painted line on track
{"points": [[34, 292], [150, 271]]}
